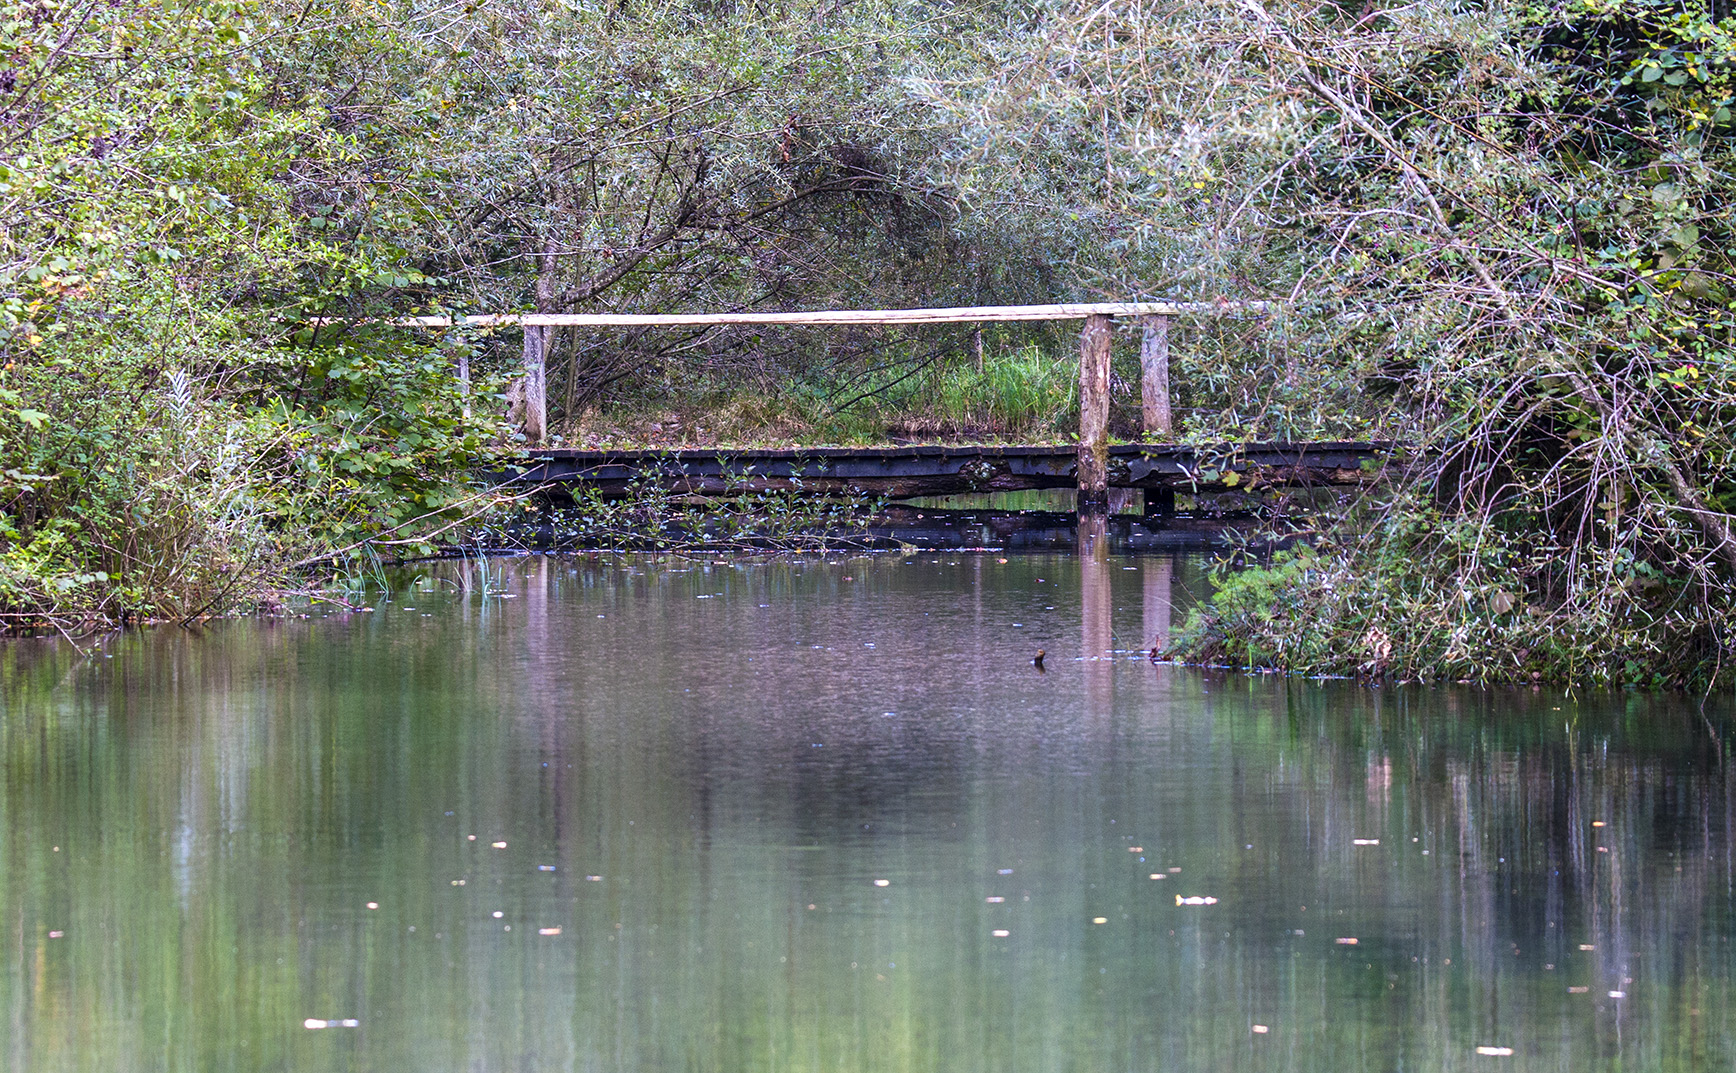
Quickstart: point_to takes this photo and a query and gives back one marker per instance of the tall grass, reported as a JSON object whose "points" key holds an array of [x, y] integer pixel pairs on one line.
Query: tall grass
{"points": [[1020, 392]]}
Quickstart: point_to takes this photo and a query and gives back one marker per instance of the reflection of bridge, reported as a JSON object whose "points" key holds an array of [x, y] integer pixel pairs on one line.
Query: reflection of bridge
{"points": [[925, 470]]}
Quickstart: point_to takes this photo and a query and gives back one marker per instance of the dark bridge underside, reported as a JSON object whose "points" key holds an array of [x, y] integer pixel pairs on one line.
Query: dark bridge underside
{"points": [[925, 470]]}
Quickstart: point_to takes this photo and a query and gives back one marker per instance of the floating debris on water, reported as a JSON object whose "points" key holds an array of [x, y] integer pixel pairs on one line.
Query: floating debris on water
{"points": [[1498, 1052], [883, 882], [1099, 920], [545, 867], [1000, 933], [1577, 990], [458, 882], [548, 931], [315, 1022], [1259, 1030], [1618, 994], [1587, 946], [1004, 872], [1195, 899], [373, 905], [1159, 875], [498, 914], [1173, 871], [1365, 841], [594, 879], [56, 934], [1346, 940], [1136, 849], [498, 845], [1597, 823], [994, 899]]}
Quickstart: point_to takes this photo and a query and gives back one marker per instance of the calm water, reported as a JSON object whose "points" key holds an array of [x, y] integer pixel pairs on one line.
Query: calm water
{"points": [[826, 816]]}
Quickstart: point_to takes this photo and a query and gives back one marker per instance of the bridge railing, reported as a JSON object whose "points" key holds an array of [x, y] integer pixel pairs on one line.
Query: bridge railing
{"points": [[1095, 344]]}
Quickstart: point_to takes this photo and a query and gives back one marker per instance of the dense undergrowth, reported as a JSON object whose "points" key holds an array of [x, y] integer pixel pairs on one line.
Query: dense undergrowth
{"points": [[1499, 232]]}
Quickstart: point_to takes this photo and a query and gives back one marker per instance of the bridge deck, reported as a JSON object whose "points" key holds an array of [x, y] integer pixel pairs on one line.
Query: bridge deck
{"points": [[937, 469]]}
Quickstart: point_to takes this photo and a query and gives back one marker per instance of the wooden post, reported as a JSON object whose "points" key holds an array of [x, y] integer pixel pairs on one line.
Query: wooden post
{"points": [[1154, 377], [463, 372], [1094, 347], [535, 384]]}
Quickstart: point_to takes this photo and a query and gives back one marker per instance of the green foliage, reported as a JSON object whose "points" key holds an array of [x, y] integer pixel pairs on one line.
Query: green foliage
{"points": [[1502, 233]]}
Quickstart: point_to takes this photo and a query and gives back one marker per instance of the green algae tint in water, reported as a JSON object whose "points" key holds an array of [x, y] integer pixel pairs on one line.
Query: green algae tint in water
{"points": [[826, 816]]}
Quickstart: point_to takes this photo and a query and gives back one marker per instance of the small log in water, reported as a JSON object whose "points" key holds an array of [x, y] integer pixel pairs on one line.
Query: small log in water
{"points": [[1094, 349]]}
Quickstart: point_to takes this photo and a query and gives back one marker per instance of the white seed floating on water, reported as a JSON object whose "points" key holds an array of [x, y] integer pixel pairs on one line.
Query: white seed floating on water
{"points": [[1597, 823], [313, 1022], [1196, 899], [1603, 849], [1577, 990], [56, 934], [545, 867], [1498, 1052], [1346, 940], [883, 882], [1173, 871], [1158, 875], [994, 899], [458, 882], [498, 845], [471, 838], [1136, 849], [1259, 1030], [594, 879], [1365, 841], [1618, 994], [498, 914], [1587, 946], [373, 905], [1000, 933], [1004, 872], [548, 931], [1099, 920]]}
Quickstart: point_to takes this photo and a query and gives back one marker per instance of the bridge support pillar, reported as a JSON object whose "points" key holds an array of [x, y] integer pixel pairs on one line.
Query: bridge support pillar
{"points": [[1154, 378], [1093, 469], [536, 415]]}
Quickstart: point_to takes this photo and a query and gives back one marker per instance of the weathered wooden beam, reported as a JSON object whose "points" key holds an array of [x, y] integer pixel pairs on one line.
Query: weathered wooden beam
{"points": [[1154, 377], [535, 384], [961, 315], [1094, 350]]}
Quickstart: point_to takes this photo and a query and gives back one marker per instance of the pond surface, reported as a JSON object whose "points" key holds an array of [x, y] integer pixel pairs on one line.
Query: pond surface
{"points": [[610, 814]]}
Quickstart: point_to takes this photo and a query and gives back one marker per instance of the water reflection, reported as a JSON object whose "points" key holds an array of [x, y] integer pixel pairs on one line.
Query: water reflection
{"points": [[782, 814]]}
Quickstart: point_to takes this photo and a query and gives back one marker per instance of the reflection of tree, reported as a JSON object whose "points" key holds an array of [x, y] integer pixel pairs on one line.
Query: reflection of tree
{"points": [[226, 801]]}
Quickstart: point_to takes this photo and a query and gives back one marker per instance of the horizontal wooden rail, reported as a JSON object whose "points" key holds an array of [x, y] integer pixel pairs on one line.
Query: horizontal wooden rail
{"points": [[962, 315]]}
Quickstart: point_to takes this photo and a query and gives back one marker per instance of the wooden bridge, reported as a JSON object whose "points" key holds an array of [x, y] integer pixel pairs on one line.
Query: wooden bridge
{"points": [[1161, 470], [1092, 467]]}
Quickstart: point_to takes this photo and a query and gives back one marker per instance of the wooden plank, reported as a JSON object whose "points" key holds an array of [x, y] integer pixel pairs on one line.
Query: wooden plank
{"points": [[1094, 349], [1154, 377], [962, 315]]}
